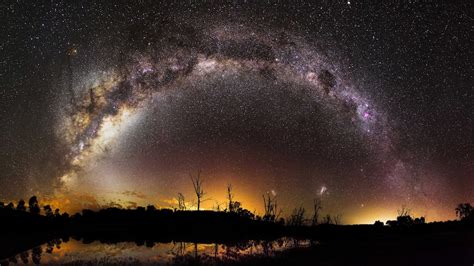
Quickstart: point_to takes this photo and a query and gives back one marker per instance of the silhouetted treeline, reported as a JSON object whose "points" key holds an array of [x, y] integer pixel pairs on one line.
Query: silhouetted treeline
{"points": [[28, 219], [130, 224], [26, 226], [233, 221]]}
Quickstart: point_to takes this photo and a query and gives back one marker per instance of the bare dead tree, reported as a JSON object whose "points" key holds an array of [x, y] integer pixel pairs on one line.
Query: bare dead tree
{"points": [[268, 204], [197, 184], [230, 198], [317, 207], [404, 211], [327, 219], [270, 207], [297, 217], [337, 219], [217, 206], [181, 202]]}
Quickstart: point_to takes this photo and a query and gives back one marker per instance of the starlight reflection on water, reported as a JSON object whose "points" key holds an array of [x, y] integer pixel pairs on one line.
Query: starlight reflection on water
{"points": [[75, 251]]}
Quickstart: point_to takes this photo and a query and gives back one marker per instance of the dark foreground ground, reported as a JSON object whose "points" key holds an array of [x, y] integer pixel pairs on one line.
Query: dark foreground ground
{"points": [[447, 243]]}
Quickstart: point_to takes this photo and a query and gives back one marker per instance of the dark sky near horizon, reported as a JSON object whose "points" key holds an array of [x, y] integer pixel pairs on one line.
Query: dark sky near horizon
{"points": [[369, 107]]}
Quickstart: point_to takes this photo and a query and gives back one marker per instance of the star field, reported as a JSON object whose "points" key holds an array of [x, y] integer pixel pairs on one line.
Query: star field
{"points": [[368, 107]]}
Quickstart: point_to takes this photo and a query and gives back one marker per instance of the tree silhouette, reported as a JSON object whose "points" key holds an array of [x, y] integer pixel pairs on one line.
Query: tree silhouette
{"points": [[404, 218], [317, 207], [465, 211], [24, 257], [13, 260], [49, 247], [230, 198], [217, 206], [151, 208], [48, 211], [327, 219], [10, 206], [297, 217], [36, 255], [270, 207], [33, 205], [197, 184], [181, 202], [337, 219], [243, 212], [21, 206]]}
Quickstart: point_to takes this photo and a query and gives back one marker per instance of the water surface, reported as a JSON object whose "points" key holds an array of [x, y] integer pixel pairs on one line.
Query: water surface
{"points": [[76, 251]]}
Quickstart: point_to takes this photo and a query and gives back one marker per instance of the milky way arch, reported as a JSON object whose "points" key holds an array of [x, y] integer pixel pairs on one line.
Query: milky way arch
{"points": [[220, 50]]}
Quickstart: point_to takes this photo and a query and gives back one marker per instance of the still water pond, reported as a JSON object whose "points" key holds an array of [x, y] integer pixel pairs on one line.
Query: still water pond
{"points": [[97, 253]]}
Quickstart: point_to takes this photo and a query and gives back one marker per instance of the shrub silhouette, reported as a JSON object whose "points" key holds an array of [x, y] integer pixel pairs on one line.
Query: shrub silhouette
{"points": [[420, 220], [378, 224], [150, 208], [405, 220], [21, 206]]}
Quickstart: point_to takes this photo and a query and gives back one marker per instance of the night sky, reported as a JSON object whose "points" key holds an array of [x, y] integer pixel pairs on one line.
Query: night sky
{"points": [[369, 107]]}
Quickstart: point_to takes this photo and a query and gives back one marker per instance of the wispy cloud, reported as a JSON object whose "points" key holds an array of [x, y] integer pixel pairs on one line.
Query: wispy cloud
{"points": [[133, 193]]}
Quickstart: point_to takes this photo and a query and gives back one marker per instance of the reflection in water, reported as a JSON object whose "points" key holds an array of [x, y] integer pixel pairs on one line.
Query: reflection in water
{"points": [[75, 251]]}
